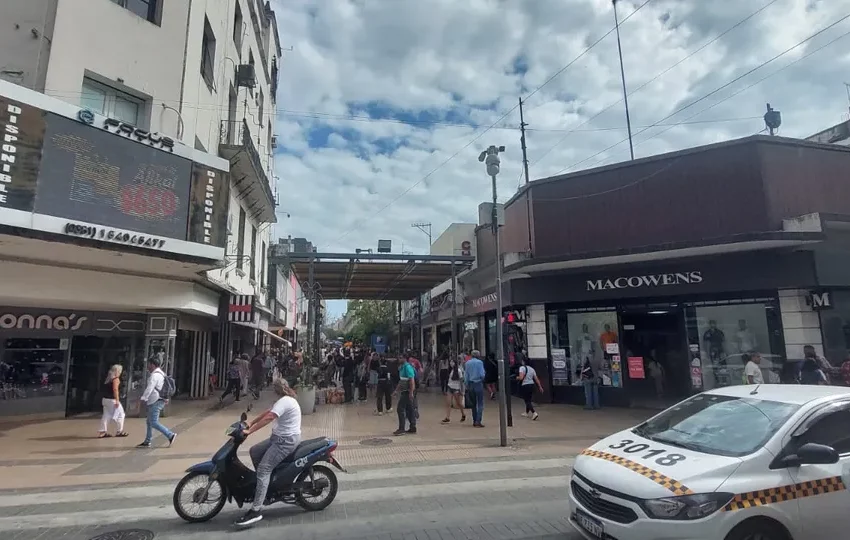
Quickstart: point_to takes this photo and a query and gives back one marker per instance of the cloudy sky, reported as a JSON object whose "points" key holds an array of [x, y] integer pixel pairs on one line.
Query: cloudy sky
{"points": [[384, 105]]}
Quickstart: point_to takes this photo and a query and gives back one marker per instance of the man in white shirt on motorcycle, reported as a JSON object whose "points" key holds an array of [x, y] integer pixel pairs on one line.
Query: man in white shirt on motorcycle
{"points": [[285, 438]]}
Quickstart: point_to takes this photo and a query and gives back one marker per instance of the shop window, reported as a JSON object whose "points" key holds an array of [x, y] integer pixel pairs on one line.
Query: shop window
{"points": [[33, 369], [576, 338], [723, 339], [836, 329]]}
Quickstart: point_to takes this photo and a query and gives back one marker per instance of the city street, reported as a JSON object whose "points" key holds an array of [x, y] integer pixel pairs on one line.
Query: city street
{"points": [[449, 481]]}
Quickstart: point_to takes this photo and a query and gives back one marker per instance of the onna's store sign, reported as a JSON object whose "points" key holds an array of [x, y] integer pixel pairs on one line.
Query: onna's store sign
{"points": [[81, 175]]}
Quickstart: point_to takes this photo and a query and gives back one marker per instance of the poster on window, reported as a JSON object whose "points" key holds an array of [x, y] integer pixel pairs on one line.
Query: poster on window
{"points": [[560, 368], [636, 367]]}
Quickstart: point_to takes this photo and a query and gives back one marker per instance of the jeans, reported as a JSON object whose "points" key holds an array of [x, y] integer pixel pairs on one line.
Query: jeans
{"points": [[232, 388], [444, 380], [405, 410], [476, 395], [348, 387], [266, 456], [527, 392], [591, 394], [154, 410], [385, 395]]}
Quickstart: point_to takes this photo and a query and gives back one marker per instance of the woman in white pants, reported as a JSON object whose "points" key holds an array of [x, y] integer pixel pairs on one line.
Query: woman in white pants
{"points": [[112, 408]]}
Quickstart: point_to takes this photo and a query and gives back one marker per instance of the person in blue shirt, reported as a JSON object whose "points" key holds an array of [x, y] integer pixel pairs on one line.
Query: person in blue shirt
{"points": [[473, 376], [406, 390]]}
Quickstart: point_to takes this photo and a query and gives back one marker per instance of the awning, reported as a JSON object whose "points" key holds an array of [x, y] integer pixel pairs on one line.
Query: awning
{"points": [[275, 336]]}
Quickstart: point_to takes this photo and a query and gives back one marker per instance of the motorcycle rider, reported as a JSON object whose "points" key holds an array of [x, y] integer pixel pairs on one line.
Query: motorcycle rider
{"points": [[285, 438]]}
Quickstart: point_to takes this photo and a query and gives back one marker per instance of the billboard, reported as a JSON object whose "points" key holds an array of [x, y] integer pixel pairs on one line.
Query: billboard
{"points": [[92, 177]]}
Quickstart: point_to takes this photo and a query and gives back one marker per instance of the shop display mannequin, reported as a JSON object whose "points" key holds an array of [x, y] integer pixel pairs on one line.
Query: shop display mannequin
{"points": [[585, 348], [715, 342], [745, 338]]}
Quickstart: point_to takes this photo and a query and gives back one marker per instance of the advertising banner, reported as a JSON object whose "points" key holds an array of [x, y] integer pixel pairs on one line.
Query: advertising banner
{"points": [[560, 368], [636, 367], [106, 180]]}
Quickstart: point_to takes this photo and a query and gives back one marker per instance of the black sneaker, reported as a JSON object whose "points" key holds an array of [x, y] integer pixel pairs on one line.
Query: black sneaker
{"points": [[446, 420], [171, 440], [411, 431], [398, 432], [145, 444], [251, 516]]}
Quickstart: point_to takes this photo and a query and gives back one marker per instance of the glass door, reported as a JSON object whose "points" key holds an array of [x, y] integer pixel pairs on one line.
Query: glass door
{"points": [[32, 375]]}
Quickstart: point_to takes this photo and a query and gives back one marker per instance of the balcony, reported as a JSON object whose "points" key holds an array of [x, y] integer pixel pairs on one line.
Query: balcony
{"points": [[246, 169]]}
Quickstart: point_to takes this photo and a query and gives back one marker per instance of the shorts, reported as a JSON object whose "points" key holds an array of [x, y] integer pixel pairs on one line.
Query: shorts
{"points": [[454, 391]]}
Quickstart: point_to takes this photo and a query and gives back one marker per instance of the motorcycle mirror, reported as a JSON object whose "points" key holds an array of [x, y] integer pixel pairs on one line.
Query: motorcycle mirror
{"points": [[243, 417]]}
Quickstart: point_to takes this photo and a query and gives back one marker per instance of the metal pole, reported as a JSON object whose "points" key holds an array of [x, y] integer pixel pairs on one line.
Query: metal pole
{"points": [[398, 304], [454, 311], [311, 317], [500, 350], [623, 77], [522, 125]]}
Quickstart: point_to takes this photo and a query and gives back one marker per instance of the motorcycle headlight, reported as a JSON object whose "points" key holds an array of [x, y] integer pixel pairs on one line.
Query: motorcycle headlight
{"points": [[686, 507]]}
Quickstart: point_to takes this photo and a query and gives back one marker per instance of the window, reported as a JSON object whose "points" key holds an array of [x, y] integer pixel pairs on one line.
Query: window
{"points": [[238, 28], [260, 104], [252, 64], [208, 55], [720, 425], [270, 137], [579, 337], [263, 265], [253, 252], [110, 102], [146, 9], [832, 430], [240, 240]]}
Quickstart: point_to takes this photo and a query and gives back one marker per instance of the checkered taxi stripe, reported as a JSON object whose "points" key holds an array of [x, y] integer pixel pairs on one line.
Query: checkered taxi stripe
{"points": [[785, 493], [664, 481]]}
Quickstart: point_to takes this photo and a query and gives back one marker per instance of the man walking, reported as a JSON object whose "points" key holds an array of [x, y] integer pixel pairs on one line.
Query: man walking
{"points": [[474, 378], [244, 373], [406, 389], [155, 401], [384, 386]]}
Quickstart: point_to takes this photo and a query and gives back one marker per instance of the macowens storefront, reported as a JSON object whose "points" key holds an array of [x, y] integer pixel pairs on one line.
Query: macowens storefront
{"points": [[668, 274], [105, 232]]}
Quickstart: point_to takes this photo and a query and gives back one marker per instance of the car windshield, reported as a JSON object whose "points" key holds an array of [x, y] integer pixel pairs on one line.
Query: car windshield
{"points": [[721, 425]]}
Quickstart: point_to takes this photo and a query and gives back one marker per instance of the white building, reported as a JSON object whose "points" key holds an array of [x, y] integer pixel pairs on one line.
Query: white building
{"points": [[122, 232]]}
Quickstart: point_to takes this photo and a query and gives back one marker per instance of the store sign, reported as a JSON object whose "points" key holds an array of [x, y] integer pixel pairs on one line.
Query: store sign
{"points": [[21, 137], [36, 321], [636, 367], [484, 300], [650, 280], [241, 308], [820, 301], [112, 235]]}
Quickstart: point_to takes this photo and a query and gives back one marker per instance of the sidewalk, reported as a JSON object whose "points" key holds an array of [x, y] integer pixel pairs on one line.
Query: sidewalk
{"points": [[64, 452]]}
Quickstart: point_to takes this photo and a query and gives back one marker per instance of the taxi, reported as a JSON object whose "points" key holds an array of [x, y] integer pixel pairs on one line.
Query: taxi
{"points": [[753, 462]]}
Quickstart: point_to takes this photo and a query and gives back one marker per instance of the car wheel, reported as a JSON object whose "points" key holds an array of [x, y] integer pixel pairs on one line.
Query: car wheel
{"points": [[758, 529]]}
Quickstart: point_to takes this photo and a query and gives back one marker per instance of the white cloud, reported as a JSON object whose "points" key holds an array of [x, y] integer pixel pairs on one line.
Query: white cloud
{"points": [[456, 62]]}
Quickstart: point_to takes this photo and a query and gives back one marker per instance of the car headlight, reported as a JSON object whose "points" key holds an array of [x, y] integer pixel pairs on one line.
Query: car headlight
{"points": [[686, 507]]}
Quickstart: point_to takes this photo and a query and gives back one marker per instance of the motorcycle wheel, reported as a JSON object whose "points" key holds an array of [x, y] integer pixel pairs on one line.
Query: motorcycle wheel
{"points": [[328, 494], [193, 485]]}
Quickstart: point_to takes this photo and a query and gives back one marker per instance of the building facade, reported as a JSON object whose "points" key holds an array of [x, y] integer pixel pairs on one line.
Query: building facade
{"points": [[668, 273], [138, 206]]}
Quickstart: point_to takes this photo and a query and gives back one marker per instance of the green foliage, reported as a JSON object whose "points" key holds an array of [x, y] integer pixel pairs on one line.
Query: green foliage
{"points": [[372, 317]]}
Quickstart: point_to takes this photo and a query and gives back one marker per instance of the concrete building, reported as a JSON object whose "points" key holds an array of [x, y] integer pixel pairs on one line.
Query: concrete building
{"points": [[122, 111]]}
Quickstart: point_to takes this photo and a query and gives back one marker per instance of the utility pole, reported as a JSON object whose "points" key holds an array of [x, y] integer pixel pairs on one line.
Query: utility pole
{"points": [[426, 228], [623, 77], [522, 126]]}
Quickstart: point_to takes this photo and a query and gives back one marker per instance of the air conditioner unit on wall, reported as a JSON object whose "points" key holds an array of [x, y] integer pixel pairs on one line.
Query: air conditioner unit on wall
{"points": [[246, 76], [274, 142]]}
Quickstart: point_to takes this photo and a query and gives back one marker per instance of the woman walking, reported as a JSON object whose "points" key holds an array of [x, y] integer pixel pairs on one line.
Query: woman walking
{"points": [[528, 379], [111, 400], [454, 384], [234, 380], [444, 374]]}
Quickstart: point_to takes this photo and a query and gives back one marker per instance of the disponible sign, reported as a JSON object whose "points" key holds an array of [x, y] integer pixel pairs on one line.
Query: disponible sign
{"points": [[645, 281]]}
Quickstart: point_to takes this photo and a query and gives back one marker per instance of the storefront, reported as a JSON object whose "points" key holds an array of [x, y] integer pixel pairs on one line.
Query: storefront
{"points": [[656, 333]]}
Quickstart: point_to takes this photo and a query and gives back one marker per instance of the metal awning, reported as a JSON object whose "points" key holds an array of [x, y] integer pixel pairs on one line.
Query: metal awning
{"points": [[367, 276]]}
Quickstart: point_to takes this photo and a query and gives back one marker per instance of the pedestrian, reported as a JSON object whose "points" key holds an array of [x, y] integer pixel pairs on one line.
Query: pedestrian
{"points": [[474, 379], [373, 372], [454, 385], [384, 388], [348, 375], [444, 374], [212, 377], [406, 392], [155, 400], [268, 365], [528, 379], [244, 373], [258, 373], [590, 381], [362, 379], [491, 379], [110, 394], [234, 380]]}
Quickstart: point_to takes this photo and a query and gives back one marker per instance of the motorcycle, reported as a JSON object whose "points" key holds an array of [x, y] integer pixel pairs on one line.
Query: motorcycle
{"points": [[300, 479]]}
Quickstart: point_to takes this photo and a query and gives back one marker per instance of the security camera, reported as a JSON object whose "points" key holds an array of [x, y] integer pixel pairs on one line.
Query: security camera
{"points": [[482, 156]]}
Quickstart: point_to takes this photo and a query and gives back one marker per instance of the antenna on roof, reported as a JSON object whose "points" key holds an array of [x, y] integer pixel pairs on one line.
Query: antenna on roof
{"points": [[772, 119]]}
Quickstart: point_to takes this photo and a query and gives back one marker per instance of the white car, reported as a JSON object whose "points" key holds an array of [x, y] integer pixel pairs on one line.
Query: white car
{"points": [[754, 462]]}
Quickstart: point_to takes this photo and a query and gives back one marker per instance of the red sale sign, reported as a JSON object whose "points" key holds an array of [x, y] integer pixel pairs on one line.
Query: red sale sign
{"points": [[636, 367]]}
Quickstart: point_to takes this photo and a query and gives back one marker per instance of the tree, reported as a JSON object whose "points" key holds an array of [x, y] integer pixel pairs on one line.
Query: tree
{"points": [[371, 317]]}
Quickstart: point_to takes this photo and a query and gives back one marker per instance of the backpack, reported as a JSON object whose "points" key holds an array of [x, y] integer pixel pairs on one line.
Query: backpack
{"points": [[233, 372], [169, 387]]}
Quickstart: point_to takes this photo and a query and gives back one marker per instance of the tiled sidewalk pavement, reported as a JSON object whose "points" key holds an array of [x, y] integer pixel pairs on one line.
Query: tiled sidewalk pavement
{"points": [[519, 497], [60, 453]]}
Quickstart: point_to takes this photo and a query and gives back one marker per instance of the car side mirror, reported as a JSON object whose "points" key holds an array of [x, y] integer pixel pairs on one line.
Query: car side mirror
{"points": [[812, 454]]}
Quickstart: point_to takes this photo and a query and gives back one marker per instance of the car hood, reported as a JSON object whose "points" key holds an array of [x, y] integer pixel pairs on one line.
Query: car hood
{"points": [[642, 468]]}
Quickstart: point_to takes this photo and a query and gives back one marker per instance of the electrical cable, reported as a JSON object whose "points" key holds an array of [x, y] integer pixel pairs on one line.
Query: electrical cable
{"points": [[655, 78], [713, 92]]}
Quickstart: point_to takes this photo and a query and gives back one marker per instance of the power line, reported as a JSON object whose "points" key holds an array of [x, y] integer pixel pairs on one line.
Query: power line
{"points": [[655, 78], [470, 143], [716, 90]]}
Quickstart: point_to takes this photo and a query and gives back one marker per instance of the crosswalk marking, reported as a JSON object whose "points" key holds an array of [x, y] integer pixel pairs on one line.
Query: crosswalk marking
{"points": [[90, 507]]}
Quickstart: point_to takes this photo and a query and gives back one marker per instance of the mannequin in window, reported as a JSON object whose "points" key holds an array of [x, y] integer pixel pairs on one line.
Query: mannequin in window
{"points": [[585, 347], [745, 338], [714, 341]]}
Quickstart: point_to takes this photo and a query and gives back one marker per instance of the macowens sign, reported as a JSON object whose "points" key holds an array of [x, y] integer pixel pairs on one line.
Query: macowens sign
{"points": [[81, 175], [645, 281]]}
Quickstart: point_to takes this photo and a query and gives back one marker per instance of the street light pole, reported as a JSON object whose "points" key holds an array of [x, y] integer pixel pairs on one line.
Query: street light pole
{"points": [[426, 228], [490, 157], [623, 78]]}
